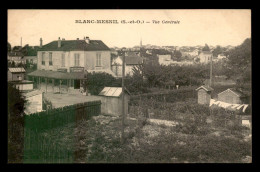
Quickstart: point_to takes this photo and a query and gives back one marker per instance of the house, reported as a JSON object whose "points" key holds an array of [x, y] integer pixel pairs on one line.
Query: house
{"points": [[34, 101], [16, 77], [111, 99], [232, 96], [131, 60], [204, 94], [164, 59], [221, 56], [65, 63], [31, 54], [205, 56], [15, 73]]}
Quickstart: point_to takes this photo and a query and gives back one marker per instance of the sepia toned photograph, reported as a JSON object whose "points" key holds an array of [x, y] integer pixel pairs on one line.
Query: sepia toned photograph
{"points": [[129, 86]]}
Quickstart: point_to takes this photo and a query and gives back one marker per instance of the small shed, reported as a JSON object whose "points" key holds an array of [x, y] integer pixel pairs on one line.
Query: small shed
{"points": [[16, 73], [232, 96], [111, 99], [204, 94]]}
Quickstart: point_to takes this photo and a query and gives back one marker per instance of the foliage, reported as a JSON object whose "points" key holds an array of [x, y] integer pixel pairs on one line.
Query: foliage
{"points": [[177, 54], [9, 48], [16, 107], [97, 81], [206, 48], [218, 50], [239, 63]]}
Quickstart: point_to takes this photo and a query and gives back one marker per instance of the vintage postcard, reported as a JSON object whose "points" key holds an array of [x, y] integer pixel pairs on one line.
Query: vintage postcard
{"points": [[129, 86]]}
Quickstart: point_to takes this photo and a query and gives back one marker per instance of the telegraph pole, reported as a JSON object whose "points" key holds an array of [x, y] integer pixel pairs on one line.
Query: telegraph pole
{"points": [[123, 96], [210, 80]]}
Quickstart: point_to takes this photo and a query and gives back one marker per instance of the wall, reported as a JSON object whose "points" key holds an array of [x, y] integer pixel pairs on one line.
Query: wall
{"points": [[24, 86], [34, 104], [204, 58], [113, 105], [90, 60], [87, 60], [15, 76], [203, 97], [223, 98]]}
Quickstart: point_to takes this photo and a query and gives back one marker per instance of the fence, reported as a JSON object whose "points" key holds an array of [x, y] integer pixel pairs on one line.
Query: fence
{"points": [[61, 116], [171, 96], [40, 149]]}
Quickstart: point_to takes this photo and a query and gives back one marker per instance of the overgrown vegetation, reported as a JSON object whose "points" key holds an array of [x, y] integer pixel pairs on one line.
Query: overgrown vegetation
{"points": [[15, 125]]}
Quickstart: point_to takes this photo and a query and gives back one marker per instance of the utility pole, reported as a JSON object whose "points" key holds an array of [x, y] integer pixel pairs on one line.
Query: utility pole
{"points": [[210, 80], [123, 96]]}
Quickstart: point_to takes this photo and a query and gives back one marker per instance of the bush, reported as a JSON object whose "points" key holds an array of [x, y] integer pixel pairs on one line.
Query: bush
{"points": [[97, 81]]}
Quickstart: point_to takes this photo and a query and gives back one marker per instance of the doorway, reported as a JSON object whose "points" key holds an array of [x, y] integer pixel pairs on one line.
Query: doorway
{"points": [[76, 84]]}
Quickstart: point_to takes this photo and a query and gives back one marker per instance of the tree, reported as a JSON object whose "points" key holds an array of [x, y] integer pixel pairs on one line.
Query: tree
{"points": [[15, 125], [218, 50], [9, 47], [177, 54], [239, 63], [206, 48]]}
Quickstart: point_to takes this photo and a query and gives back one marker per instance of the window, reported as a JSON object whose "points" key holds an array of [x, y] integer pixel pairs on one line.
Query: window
{"points": [[76, 59], [98, 59], [62, 60], [43, 58], [50, 59]]}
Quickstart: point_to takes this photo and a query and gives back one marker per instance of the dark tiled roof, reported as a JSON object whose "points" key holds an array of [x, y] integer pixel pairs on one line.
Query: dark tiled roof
{"points": [[205, 87], [132, 60], [206, 52], [75, 45]]}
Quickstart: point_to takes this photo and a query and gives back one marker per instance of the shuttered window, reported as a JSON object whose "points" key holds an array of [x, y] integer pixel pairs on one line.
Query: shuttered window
{"points": [[43, 58], [50, 59], [98, 59], [63, 60], [76, 60]]}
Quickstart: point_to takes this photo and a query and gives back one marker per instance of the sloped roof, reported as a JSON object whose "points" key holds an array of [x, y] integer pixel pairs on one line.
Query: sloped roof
{"points": [[205, 87], [206, 52], [132, 60], [16, 69], [75, 45], [112, 91], [236, 92], [57, 75]]}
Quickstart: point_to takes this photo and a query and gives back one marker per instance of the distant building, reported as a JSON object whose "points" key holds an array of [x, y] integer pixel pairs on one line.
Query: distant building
{"points": [[164, 59], [64, 63], [232, 96], [205, 56], [204, 94], [31, 54], [16, 73], [131, 60], [221, 56], [16, 77]]}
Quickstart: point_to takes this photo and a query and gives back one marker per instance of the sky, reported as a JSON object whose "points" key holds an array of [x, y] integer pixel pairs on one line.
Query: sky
{"points": [[195, 27]]}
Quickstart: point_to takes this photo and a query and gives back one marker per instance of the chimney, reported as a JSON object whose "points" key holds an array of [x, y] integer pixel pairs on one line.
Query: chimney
{"points": [[87, 39], [77, 38], [59, 43], [40, 42]]}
